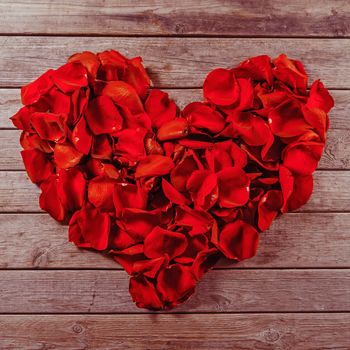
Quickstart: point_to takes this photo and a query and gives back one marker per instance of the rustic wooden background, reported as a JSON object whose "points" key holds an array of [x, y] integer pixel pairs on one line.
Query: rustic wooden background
{"points": [[295, 294]]}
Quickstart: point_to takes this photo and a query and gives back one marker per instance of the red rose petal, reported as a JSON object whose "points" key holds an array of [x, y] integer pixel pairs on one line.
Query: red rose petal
{"points": [[38, 167], [268, 208], [202, 116], [233, 187], [49, 126], [154, 165], [220, 87], [70, 77], [144, 293], [173, 194], [162, 242], [89, 228], [103, 116], [176, 283], [160, 108], [238, 240], [66, 156]]}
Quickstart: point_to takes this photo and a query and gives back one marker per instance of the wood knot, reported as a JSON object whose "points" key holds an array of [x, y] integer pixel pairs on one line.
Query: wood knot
{"points": [[77, 328], [271, 335]]}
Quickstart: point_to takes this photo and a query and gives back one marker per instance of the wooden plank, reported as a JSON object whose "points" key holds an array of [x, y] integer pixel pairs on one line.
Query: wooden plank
{"points": [[106, 291], [192, 332], [18, 194], [10, 103], [336, 154], [174, 62], [300, 240], [198, 17]]}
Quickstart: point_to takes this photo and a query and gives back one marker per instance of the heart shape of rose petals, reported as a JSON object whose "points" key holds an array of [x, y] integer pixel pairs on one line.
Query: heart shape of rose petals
{"points": [[167, 193]]}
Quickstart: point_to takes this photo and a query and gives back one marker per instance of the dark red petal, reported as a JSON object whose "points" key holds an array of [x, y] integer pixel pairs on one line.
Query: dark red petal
{"points": [[204, 261], [32, 92], [127, 257], [238, 240], [173, 194], [150, 267], [89, 60], [173, 129], [38, 167], [302, 158], [176, 284], [49, 126], [203, 187], [154, 165], [81, 137], [201, 116], [101, 147], [220, 87], [251, 128], [66, 156], [100, 193], [103, 116], [287, 120], [296, 189], [139, 223], [256, 68], [70, 77], [161, 242], [131, 144], [71, 188], [290, 72], [233, 187], [268, 208], [144, 293], [49, 199], [89, 228], [160, 108], [123, 95], [129, 196], [183, 170], [320, 97], [136, 75]]}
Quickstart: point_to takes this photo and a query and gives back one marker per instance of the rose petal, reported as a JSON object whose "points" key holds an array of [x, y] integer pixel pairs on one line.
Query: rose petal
{"points": [[89, 228], [320, 97], [173, 194], [238, 240], [100, 193], [176, 284], [173, 129], [202, 116], [233, 187], [220, 87], [66, 156], [38, 167], [70, 77], [144, 293], [49, 126], [160, 108], [268, 208], [81, 137], [160, 242], [154, 165]]}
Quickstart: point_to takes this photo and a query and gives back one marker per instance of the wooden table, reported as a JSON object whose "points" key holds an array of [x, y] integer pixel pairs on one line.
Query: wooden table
{"points": [[295, 294]]}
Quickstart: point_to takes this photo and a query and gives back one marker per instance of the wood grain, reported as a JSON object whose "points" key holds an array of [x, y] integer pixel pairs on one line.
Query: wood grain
{"points": [[336, 154], [296, 240], [10, 103], [18, 194], [174, 62], [96, 291], [195, 17], [191, 332]]}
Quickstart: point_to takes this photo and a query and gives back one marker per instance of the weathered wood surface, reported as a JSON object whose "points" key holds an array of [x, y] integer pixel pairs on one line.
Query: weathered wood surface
{"points": [[10, 103], [174, 62], [190, 17], [94, 291], [304, 331], [336, 154], [296, 240], [18, 194]]}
